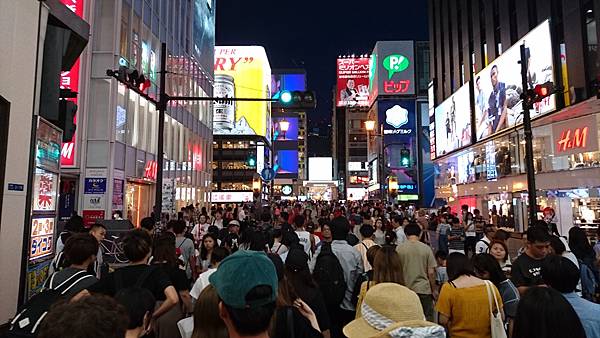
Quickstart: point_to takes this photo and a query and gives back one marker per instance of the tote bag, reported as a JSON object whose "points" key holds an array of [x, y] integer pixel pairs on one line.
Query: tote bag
{"points": [[497, 325]]}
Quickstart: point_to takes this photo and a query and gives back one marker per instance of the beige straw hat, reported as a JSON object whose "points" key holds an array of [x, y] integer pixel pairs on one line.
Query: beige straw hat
{"points": [[391, 310]]}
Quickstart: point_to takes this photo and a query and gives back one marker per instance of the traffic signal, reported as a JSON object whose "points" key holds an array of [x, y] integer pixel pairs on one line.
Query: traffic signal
{"points": [[540, 92], [66, 117], [131, 78], [296, 100], [251, 159], [405, 157]]}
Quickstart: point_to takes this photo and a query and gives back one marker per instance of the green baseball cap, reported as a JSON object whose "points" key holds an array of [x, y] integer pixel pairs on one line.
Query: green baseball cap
{"points": [[241, 272]]}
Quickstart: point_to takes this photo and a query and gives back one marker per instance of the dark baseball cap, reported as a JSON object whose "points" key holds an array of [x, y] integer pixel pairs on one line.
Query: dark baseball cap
{"points": [[241, 272]]}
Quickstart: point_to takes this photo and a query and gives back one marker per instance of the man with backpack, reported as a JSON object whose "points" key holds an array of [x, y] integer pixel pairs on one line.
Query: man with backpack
{"points": [[185, 249], [335, 268], [483, 245], [79, 252]]}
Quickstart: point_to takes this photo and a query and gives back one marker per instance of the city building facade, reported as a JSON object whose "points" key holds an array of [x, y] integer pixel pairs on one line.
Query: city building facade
{"points": [[476, 112]]}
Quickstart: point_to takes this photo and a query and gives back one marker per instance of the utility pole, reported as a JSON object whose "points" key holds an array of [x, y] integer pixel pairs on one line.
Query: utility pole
{"points": [[162, 107], [529, 164]]}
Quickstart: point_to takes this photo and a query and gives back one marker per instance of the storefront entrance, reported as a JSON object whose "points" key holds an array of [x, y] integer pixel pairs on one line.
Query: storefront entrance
{"points": [[138, 198]]}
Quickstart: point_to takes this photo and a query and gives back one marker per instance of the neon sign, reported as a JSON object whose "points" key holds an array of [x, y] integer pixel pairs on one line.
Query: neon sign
{"points": [[573, 139], [396, 87]]}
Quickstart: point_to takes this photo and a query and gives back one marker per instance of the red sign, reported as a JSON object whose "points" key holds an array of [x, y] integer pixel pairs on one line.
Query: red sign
{"points": [[575, 136], [92, 216], [396, 87], [70, 80], [150, 170], [352, 82]]}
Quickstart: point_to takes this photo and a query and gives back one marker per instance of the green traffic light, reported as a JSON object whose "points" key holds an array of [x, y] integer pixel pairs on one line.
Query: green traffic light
{"points": [[285, 97], [252, 162]]}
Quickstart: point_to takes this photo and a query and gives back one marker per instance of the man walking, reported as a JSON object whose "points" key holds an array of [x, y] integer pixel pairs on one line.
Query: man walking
{"points": [[418, 268]]}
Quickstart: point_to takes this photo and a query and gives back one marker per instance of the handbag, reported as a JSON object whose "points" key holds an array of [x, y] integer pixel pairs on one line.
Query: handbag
{"points": [[496, 323]]}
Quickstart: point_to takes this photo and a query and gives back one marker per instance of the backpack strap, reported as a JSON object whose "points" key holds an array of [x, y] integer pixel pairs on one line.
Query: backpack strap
{"points": [[66, 281]]}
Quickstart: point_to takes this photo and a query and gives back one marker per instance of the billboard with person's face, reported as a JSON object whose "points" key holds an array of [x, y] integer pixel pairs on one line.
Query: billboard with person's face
{"points": [[498, 87], [352, 82], [242, 72], [453, 122]]}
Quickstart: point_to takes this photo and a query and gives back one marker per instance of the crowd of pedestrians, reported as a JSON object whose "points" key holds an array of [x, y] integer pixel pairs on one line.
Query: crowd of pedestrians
{"points": [[319, 270]]}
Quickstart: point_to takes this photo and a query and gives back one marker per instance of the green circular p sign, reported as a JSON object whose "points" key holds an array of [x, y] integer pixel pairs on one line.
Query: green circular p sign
{"points": [[395, 63]]}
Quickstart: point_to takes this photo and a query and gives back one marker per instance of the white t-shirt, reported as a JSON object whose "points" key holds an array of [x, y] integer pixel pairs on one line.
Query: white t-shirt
{"points": [[400, 235], [304, 237], [483, 245], [201, 283]]}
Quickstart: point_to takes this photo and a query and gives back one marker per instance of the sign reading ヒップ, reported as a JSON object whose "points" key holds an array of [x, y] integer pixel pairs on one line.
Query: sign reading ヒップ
{"points": [[392, 69]]}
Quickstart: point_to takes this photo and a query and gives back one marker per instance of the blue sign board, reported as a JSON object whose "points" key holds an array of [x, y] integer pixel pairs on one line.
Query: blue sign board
{"points": [[95, 185], [268, 174]]}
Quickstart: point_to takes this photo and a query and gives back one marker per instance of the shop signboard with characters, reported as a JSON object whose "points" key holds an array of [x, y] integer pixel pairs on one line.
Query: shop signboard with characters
{"points": [[44, 204]]}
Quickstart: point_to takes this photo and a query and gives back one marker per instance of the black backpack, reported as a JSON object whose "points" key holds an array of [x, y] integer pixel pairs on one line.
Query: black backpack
{"points": [[329, 275], [31, 315]]}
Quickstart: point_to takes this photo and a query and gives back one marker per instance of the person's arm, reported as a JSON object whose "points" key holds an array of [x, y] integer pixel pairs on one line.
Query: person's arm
{"points": [[443, 320], [186, 299], [307, 312], [431, 265], [171, 299]]}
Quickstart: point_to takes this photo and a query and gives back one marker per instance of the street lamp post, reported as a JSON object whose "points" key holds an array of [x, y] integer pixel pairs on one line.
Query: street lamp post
{"points": [[284, 125], [370, 127]]}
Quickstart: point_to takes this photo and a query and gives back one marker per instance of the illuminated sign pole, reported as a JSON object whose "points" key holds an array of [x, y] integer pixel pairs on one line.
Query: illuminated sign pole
{"points": [[531, 196]]}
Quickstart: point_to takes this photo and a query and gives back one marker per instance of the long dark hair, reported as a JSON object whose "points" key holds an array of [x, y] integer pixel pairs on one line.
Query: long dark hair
{"points": [[458, 265], [387, 267], [164, 249], [301, 282], [579, 244], [207, 322], [544, 313], [485, 262], [203, 250]]}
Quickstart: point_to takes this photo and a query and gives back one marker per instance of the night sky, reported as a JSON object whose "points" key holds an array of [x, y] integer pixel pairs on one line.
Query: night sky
{"points": [[311, 34]]}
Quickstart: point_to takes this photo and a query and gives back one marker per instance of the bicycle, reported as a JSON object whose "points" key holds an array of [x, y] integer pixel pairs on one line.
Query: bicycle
{"points": [[112, 249]]}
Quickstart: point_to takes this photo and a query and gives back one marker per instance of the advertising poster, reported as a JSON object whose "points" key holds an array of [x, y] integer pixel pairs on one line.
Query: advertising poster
{"points": [[352, 82], [45, 185], [92, 216], [393, 70], [36, 277], [67, 200], [453, 122], [292, 129], [204, 32], [231, 196], [466, 169], [42, 237], [498, 88], [242, 72], [285, 162], [118, 191], [95, 185]]}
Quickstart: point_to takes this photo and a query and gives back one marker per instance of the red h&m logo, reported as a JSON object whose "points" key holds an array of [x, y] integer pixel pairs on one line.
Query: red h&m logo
{"points": [[573, 139], [151, 170]]}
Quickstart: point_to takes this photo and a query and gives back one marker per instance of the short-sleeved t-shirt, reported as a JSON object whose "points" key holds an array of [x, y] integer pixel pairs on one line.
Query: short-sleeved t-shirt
{"points": [[417, 258], [188, 250], [177, 277], [468, 310], [457, 244], [156, 282], [527, 271], [77, 284]]}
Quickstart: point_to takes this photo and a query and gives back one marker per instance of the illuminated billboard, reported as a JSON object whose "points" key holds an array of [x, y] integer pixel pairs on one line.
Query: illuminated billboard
{"points": [[204, 32], [242, 72], [280, 124], [453, 122], [352, 82], [285, 163], [287, 81], [498, 87], [320, 168], [392, 69]]}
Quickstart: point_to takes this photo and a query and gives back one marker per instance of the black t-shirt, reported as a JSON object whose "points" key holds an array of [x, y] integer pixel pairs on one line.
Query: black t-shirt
{"points": [[156, 282], [301, 325], [314, 299], [527, 271], [177, 277]]}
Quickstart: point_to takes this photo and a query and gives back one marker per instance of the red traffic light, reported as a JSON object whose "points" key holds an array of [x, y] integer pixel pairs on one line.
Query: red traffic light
{"points": [[543, 90]]}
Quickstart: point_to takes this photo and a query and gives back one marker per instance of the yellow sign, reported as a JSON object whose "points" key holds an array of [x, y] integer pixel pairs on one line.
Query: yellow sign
{"points": [[242, 72]]}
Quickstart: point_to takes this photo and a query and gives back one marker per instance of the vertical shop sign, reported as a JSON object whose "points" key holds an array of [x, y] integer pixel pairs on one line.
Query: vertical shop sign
{"points": [[70, 80], [94, 195]]}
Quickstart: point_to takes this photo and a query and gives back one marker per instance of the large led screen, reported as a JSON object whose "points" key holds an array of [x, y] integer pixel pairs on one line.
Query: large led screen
{"points": [[320, 168], [279, 129], [287, 81], [453, 122], [286, 163], [498, 87], [204, 32], [352, 82], [242, 72]]}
